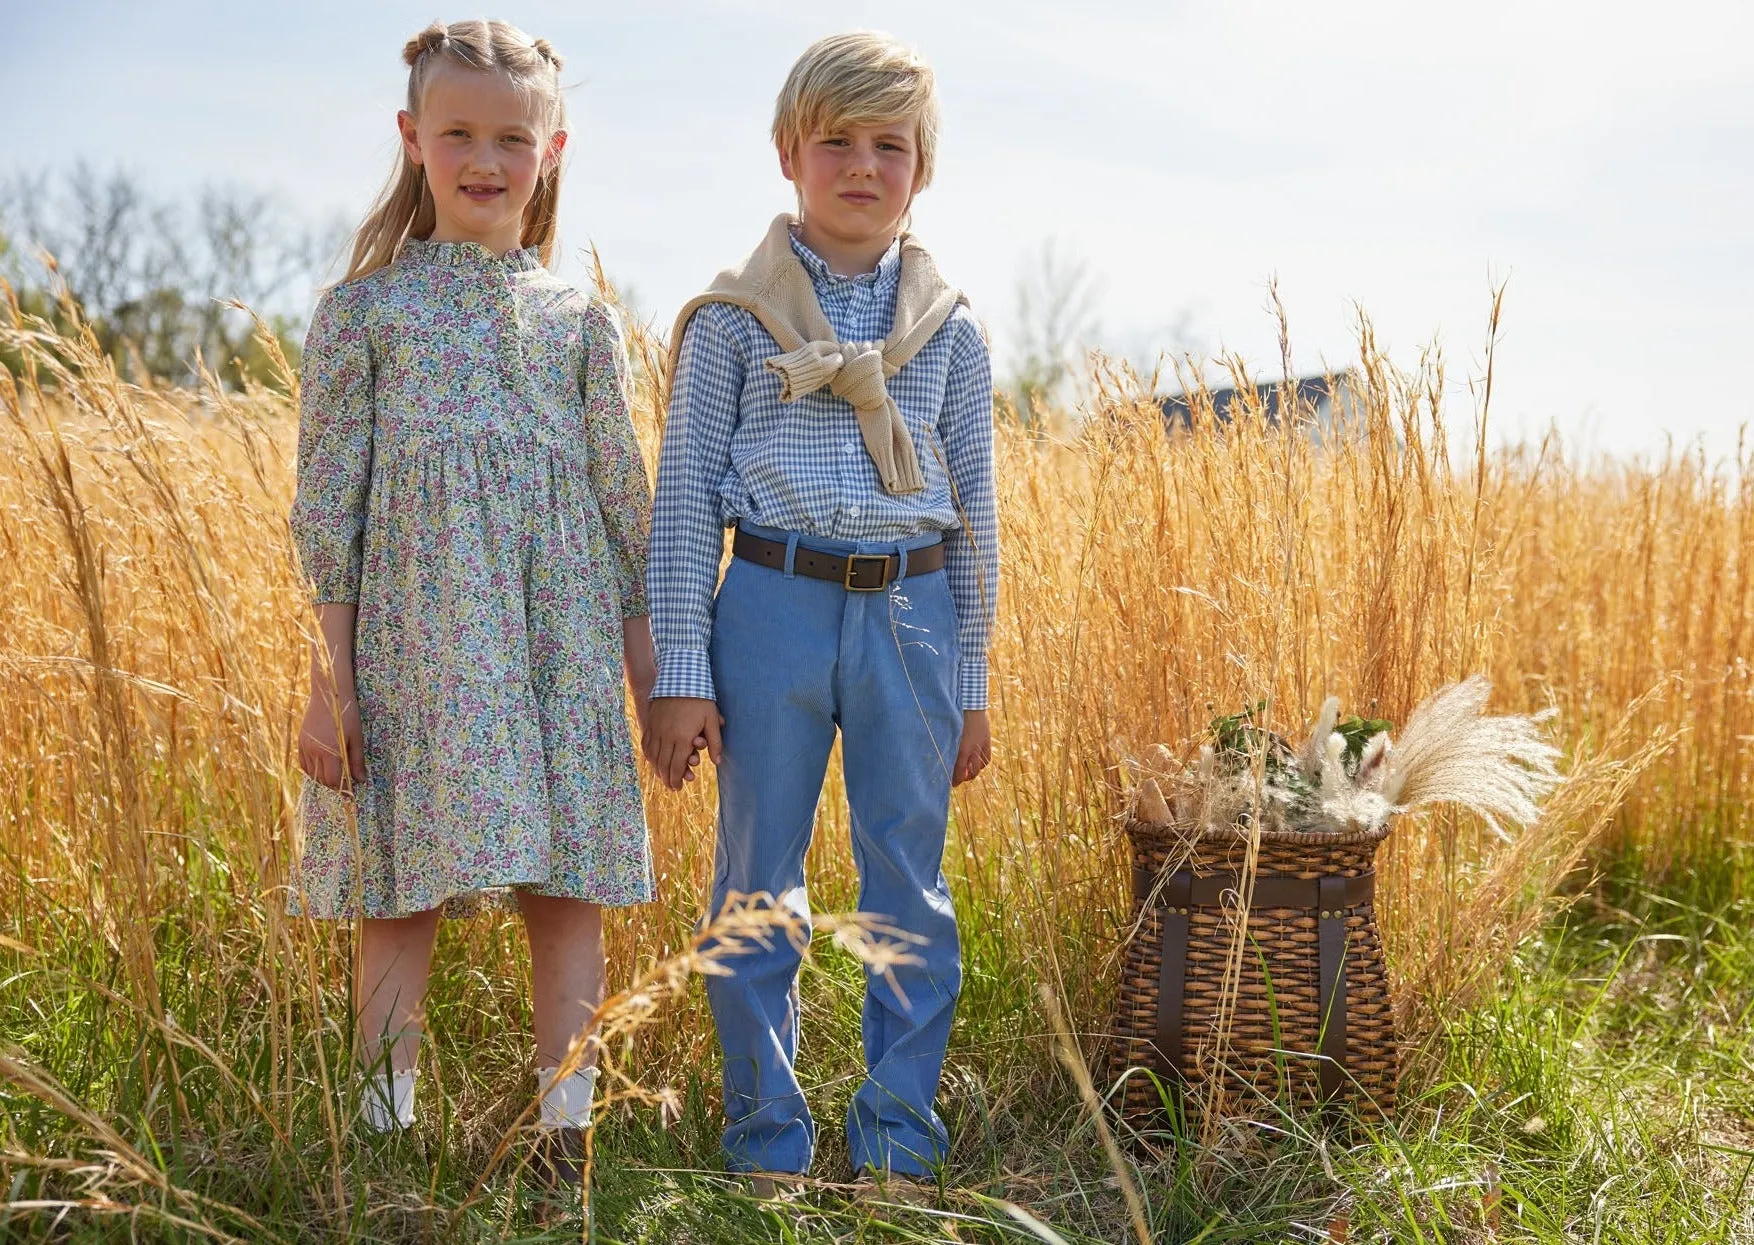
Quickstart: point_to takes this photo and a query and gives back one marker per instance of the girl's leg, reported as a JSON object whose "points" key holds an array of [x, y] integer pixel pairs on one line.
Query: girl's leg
{"points": [[566, 970], [395, 957], [566, 987]]}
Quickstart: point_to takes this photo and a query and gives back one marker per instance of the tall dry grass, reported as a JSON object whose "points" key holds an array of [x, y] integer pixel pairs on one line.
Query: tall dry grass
{"points": [[153, 641]]}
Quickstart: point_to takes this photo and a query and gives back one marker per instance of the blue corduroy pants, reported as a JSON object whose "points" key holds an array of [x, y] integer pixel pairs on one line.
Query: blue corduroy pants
{"points": [[794, 660]]}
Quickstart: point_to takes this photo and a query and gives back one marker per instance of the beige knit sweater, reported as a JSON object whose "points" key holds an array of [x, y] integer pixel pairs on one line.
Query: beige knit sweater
{"points": [[774, 287]]}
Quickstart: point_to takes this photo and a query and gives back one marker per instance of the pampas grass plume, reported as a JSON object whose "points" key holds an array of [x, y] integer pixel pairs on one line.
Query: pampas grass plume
{"points": [[1451, 752]]}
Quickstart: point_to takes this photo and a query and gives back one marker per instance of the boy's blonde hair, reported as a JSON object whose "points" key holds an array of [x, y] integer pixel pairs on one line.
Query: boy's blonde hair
{"points": [[404, 208], [863, 77]]}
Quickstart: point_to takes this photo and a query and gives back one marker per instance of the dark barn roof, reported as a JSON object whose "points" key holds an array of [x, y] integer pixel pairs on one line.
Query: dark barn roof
{"points": [[1314, 394]]}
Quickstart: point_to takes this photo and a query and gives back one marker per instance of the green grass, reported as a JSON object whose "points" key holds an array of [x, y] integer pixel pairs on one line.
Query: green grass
{"points": [[1606, 1094]]}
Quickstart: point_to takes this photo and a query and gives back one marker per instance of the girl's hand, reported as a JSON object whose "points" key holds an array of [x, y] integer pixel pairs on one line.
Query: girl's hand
{"points": [[976, 748], [642, 668], [331, 726]]}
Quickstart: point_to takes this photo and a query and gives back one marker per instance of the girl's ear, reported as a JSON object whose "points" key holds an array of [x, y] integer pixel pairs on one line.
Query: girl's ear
{"points": [[410, 135], [556, 145]]}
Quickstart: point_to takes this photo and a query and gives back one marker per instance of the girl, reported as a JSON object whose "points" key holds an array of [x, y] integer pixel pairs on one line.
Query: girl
{"points": [[472, 513]]}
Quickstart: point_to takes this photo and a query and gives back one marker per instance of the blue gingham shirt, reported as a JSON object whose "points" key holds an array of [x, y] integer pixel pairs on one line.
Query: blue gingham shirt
{"points": [[733, 451]]}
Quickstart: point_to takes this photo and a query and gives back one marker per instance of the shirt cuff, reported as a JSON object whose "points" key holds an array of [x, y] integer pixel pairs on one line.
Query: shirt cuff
{"points": [[684, 672], [971, 684]]}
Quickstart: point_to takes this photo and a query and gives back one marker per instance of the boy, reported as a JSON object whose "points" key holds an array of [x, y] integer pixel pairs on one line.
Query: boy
{"points": [[832, 400]]}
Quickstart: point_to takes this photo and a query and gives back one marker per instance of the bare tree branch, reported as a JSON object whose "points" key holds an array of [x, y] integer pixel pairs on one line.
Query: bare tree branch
{"points": [[154, 274]]}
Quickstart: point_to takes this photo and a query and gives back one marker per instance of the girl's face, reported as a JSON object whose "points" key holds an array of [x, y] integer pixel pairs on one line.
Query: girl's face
{"points": [[855, 185], [483, 143]]}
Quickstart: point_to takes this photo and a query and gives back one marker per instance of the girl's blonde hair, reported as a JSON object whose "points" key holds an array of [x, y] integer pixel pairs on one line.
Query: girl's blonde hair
{"points": [[404, 208], [863, 77]]}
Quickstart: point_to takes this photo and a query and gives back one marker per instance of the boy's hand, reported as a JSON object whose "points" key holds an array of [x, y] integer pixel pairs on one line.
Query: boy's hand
{"points": [[680, 727], [976, 748]]}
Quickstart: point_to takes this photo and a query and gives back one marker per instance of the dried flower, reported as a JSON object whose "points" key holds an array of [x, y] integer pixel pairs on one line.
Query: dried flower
{"points": [[1348, 775], [1152, 807]]}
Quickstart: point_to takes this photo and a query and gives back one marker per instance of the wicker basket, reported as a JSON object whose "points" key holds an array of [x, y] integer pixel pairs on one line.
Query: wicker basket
{"points": [[1313, 955]]}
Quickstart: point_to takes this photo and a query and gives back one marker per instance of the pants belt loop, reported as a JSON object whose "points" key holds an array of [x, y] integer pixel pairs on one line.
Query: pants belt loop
{"points": [[791, 555], [901, 568]]}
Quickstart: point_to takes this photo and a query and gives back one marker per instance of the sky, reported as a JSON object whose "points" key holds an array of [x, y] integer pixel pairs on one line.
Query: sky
{"points": [[1391, 159]]}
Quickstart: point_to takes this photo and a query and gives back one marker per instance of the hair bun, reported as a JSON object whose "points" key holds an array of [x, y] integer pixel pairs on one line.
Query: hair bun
{"points": [[546, 51], [428, 40]]}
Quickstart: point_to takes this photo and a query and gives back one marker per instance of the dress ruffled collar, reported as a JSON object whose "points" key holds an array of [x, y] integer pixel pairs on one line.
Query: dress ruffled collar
{"points": [[468, 255]]}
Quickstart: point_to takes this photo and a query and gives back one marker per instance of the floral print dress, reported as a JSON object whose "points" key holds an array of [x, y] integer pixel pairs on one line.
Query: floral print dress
{"points": [[468, 475]]}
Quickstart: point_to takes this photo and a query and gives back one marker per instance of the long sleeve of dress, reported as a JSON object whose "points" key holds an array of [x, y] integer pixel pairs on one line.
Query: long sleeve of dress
{"points": [[617, 471], [971, 560], [334, 448], [687, 532]]}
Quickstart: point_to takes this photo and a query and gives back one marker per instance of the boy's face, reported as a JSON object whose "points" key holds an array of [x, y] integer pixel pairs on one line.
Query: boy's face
{"points": [[483, 143], [855, 184]]}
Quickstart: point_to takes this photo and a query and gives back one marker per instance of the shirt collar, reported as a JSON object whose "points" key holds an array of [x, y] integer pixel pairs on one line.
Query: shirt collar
{"points": [[887, 271]]}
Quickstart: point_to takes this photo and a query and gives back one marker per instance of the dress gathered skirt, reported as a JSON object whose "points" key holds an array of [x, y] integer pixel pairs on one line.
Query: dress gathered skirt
{"points": [[469, 478]]}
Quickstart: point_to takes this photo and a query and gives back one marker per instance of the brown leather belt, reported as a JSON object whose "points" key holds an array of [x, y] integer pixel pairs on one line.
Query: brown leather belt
{"points": [[856, 572], [1330, 897]]}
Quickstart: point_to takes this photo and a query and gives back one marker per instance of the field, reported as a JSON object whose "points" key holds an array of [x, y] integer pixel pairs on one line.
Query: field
{"points": [[174, 1049]]}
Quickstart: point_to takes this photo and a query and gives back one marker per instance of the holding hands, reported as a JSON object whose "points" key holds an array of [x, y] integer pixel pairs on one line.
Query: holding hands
{"points": [[676, 730], [673, 731]]}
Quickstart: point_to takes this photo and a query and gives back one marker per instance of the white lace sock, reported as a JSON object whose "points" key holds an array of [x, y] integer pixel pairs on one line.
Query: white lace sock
{"points": [[568, 1103], [387, 1102]]}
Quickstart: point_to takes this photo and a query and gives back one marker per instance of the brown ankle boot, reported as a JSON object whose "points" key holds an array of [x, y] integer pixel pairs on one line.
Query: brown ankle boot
{"points": [[558, 1158]]}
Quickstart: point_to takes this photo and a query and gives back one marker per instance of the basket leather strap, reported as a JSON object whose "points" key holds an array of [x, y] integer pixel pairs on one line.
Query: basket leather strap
{"points": [[1282, 892], [1269, 891], [1172, 974], [1331, 929], [1330, 897]]}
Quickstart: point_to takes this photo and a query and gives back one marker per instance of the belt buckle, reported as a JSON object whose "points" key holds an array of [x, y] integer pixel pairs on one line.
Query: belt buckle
{"points": [[853, 560]]}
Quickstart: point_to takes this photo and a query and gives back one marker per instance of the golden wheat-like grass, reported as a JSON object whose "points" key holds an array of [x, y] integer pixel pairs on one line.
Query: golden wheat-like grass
{"points": [[153, 641]]}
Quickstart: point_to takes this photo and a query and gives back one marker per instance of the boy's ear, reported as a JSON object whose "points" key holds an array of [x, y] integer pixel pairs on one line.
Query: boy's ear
{"points": [[787, 159], [410, 135]]}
